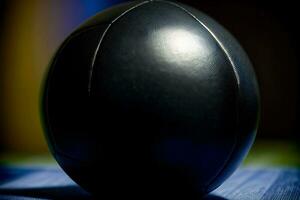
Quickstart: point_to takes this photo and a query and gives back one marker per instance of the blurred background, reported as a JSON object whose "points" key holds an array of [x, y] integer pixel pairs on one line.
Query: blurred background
{"points": [[31, 31]]}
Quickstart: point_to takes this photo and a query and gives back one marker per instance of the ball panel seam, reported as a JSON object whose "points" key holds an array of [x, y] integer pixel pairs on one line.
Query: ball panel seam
{"points": [[238, 86]]}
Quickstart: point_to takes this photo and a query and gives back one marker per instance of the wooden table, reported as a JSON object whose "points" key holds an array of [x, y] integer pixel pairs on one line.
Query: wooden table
{"points": [[271, 171]]}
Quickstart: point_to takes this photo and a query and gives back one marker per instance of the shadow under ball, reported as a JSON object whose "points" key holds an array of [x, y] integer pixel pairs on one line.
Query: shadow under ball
{"points": [[150, 99]]}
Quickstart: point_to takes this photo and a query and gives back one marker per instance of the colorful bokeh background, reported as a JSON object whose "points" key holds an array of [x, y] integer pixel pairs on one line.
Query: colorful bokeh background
{"points": [[31, 31]]}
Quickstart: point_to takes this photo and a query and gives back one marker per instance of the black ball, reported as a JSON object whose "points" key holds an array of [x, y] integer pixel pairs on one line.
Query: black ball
{"points": [[150, 98]]}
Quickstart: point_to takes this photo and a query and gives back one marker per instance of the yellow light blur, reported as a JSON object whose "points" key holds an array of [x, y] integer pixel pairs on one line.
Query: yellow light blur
{"points": [[28, 43]]}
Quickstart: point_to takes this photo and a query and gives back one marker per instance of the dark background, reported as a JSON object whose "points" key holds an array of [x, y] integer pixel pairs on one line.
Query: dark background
{"points": [[268, 31], [2, 17]]}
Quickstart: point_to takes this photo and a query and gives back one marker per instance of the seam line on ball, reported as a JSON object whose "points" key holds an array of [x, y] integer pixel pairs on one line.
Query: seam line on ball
{"points": [[48, 133], [101, 39], [212, 34], [237, 80]]}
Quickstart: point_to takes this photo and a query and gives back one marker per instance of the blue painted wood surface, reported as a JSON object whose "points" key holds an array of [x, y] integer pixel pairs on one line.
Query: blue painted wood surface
{"points": [[253, 183]]}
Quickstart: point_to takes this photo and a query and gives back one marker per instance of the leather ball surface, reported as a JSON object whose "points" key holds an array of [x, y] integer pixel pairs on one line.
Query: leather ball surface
{"points": [[150, 99]]}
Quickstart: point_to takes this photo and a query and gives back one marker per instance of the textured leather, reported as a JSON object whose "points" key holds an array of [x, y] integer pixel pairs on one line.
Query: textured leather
{"points": [[153, 92]]}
